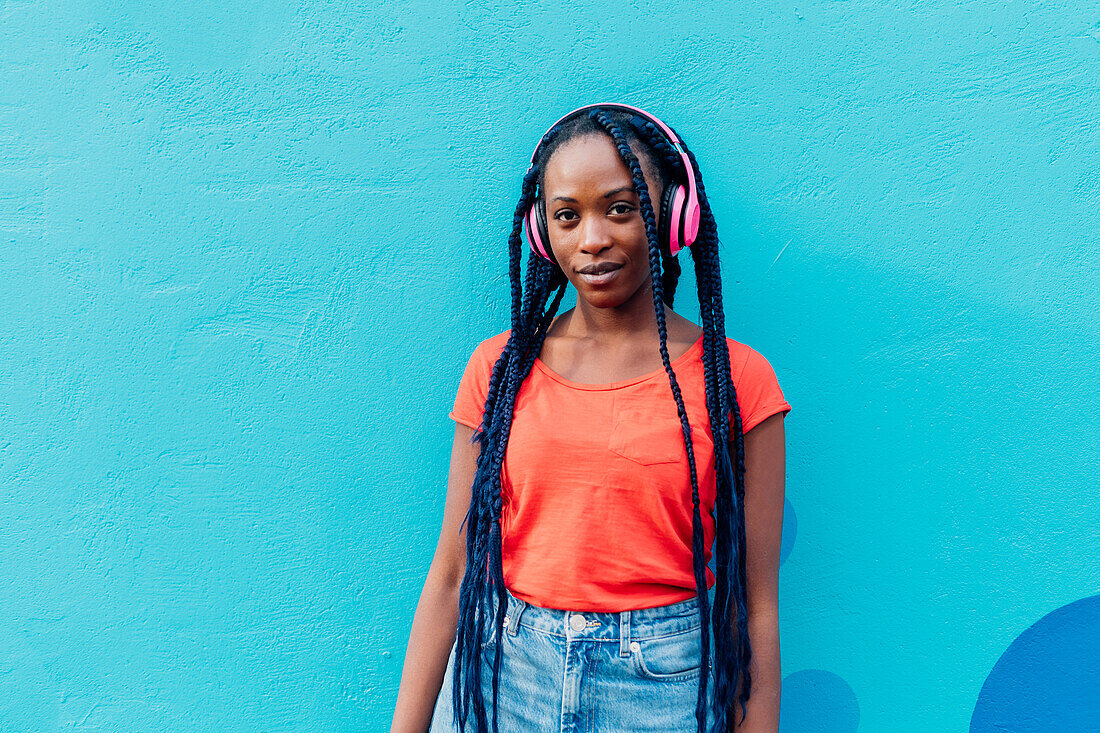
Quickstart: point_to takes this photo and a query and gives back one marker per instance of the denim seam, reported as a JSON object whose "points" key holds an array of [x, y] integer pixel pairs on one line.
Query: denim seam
{"points": [[681, 632], [633, 635], [515, 613], [625, 623], [541, 631], [689, 674]]}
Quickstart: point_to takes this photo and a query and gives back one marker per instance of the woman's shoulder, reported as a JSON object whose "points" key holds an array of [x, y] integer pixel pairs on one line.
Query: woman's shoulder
{"points": [[495, 344], [739, 351], [745, 361], [490, 348], [742, 354]]}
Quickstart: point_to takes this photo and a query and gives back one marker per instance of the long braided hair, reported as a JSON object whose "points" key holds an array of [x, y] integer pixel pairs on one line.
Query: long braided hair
{"points": [[482, 598]]}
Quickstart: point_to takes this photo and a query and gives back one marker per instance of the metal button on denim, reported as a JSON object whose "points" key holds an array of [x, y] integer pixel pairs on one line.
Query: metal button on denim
{"points": [[577, 622]]}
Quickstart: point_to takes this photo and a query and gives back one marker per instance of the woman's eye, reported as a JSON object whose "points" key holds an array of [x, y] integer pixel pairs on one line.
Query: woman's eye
{"points": [[622, 208], [561, 215]]}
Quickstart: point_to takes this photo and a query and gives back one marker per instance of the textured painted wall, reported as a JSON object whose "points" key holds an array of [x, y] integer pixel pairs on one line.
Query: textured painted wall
{"points": [[248, 247]]}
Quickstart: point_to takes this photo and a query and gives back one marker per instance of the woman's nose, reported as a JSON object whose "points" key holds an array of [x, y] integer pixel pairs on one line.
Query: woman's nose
{"points": [[595, 235]]}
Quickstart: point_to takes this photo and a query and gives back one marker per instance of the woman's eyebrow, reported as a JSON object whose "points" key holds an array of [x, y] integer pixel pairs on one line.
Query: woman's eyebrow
{"points": [[607, 195]]}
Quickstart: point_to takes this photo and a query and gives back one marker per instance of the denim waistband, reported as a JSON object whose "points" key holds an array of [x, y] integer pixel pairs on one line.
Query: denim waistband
{"points": [[608, 626]]}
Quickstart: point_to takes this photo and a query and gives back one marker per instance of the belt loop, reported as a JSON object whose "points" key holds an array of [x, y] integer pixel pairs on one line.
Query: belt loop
{"points": [[624, 633], [514, 612]]}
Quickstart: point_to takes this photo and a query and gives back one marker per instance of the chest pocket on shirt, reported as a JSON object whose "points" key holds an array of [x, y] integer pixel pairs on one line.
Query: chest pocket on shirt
{"points": [[645, 433]]}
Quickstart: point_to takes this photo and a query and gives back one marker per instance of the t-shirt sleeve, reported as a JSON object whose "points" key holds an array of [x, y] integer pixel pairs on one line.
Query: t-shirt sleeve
{"points": [[758, 393], [473, 388]]}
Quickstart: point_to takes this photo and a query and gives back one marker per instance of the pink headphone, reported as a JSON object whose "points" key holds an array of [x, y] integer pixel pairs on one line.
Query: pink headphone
{"points": [[677, 217]]}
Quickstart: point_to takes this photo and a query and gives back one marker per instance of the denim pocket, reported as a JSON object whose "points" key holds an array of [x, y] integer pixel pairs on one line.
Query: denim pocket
{"points": [[673, 657]]}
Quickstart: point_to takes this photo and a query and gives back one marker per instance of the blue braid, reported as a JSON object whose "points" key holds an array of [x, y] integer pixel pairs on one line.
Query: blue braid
{"points": [[732, 662], [658, 304], [730, 475], [530, 323], [730, 479], [467, 688]]}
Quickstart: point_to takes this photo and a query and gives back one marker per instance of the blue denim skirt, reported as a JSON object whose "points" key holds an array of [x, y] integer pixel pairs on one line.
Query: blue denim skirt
{"points": [[590, 672]]}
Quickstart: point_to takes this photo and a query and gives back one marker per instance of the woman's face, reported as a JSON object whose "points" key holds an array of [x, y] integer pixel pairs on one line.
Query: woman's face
{"points": [[594, 220]]}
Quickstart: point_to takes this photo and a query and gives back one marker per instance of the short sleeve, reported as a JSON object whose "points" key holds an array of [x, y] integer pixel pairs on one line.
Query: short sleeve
{"points": [[473, 387], [758, 393]]}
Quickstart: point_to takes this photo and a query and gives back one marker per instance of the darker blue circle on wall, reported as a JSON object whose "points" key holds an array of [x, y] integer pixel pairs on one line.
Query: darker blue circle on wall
{"points": [[1049, 677], [816, 701]]}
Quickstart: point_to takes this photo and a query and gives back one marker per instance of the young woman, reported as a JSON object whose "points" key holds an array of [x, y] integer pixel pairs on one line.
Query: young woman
{"points": [[597, 456]]}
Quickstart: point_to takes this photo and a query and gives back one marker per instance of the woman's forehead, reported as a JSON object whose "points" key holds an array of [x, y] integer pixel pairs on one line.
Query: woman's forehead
{"points": [[591, 158], [583, 158]]}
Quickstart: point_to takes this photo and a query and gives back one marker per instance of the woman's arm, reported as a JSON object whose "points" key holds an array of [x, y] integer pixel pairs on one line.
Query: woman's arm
{"points": [[435, 622], [765, 478]]}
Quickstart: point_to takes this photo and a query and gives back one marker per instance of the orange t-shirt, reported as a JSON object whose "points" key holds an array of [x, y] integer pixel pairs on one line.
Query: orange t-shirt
{"points": [[595, 485]]}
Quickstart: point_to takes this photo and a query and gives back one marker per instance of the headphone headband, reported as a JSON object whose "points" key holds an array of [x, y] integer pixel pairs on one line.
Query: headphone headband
{"points": [[691, 222]]}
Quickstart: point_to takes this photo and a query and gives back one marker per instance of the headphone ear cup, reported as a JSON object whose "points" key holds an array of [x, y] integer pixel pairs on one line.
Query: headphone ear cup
{"points": [[664, 219], [538, 236], [543, 229], [677, 227]]}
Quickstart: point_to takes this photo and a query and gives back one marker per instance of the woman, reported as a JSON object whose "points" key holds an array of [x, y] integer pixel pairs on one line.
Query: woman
{"points": [[570, 589]]}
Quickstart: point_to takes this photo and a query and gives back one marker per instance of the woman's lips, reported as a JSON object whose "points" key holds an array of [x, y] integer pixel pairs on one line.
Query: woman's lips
{"points": [[602, 279]]}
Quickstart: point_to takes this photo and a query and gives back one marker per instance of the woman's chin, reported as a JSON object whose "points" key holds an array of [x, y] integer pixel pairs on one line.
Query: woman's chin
{"points": [[603, 298]]}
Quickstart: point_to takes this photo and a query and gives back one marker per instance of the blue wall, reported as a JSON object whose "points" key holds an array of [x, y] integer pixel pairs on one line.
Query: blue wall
{"points": [[248, 247]]}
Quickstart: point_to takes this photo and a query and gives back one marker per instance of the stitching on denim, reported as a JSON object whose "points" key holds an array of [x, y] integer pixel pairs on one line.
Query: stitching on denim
{"points": [[658, 676], [543, 632], [638, 657], [633, 633], [681, 632]]}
